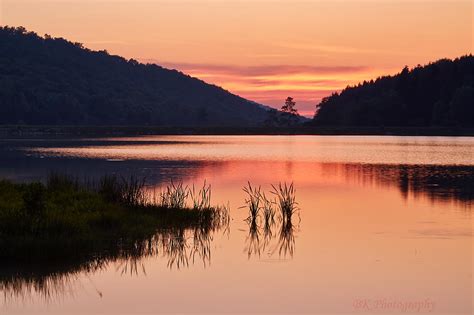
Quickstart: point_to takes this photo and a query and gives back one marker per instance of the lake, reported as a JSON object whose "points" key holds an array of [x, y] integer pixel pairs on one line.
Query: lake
{"points": [[384, 226]]}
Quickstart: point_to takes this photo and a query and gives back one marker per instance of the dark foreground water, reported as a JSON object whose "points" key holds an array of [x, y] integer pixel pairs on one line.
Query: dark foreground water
{"points": [[384, 227]]}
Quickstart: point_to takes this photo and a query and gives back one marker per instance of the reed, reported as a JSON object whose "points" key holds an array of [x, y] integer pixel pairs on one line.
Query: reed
{"points": [[59, 181], [261, 208], [174, 196], [252, 201], [268, 211], [201, 199], [285, 200], [128, 191], [109, 187], [132, 192]]}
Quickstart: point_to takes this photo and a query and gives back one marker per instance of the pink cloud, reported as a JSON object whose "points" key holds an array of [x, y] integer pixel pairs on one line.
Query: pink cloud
{"points": [[271, 84], [258, 70]]}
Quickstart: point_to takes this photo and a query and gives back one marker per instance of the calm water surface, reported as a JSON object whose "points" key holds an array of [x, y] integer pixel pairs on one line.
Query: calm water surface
{"points": [[384, 223]]}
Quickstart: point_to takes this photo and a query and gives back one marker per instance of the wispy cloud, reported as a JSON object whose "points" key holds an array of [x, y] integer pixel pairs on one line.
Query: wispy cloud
{"points": [[257, 70], [271, 84], [105, 42]]}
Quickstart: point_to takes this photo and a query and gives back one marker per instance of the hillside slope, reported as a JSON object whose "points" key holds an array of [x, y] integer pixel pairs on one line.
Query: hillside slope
{"points": [[51, 81], [438, 94]]}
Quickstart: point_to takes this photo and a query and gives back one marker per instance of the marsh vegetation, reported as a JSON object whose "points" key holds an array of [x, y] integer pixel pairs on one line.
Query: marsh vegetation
{"points": [[52, 232], [65, 217], [267, 214]]}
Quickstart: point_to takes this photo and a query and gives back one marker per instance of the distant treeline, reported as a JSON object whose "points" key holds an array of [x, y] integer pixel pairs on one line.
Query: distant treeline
{"points": [[439, 94], [51, 81], [55, 131]]}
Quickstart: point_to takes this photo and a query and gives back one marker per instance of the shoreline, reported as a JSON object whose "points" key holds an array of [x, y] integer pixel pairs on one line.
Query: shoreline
{"points": [[26, 131], [67, 218]]}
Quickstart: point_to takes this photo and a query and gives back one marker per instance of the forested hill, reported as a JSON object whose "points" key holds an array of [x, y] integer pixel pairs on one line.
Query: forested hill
{"points": [[438, 94], [52, 81]]}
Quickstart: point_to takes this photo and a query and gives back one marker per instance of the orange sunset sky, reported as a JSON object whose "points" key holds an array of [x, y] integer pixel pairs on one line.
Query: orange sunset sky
{"points": [[264, 50]]}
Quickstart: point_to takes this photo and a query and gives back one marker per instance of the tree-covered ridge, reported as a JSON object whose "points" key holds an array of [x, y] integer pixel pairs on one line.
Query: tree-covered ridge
{"points": [[438, 94], [45, 80]]}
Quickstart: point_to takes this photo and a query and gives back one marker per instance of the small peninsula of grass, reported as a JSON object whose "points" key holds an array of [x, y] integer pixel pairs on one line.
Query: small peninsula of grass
{"points": [[65, 218]]}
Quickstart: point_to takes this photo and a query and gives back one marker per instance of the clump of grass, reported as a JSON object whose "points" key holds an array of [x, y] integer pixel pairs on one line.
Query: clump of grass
{"points": [[132, 191], [110, 187], [268, 211], [261, 208], [285, 200], [200, 199], [252, 201], [257, 203], [127, 191], [34, 200], [58, 181], [268, 219], [174, 196]]}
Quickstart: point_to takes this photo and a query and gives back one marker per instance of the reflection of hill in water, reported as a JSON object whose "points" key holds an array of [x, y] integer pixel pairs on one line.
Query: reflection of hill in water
{"points": [[438, 183], [52, 279]]}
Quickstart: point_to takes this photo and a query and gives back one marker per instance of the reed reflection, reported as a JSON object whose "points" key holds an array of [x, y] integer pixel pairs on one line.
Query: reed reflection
{"points": [[267, 215], [46, 264], [452, 181], [51, 280], [253, 246]]}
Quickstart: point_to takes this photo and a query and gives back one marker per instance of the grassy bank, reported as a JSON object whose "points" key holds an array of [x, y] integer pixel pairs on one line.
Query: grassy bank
{"points": [[65, 218]]}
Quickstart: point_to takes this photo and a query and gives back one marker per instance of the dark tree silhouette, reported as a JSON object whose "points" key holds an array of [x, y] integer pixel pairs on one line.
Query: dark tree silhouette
{"points": [[51, 81], [289, 106], [289, 114], [438, 94]]}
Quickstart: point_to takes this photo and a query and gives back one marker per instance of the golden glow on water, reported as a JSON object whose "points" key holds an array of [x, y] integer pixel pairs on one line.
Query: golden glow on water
{"points": [[381, 218], [343, 149]]}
